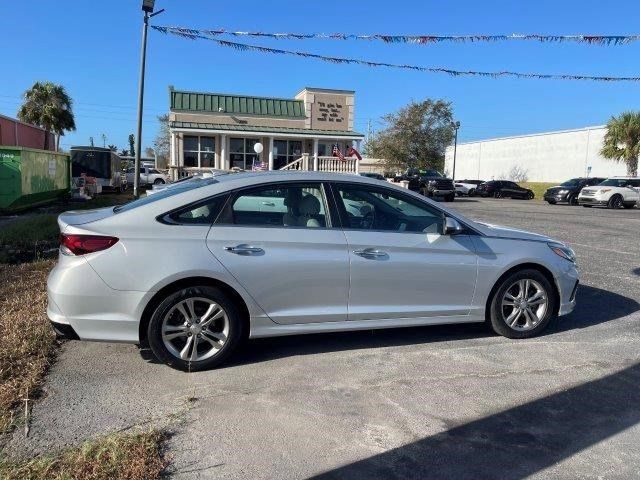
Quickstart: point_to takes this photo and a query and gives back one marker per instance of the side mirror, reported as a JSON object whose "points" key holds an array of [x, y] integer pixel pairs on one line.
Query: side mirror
{"points": [[452, 226]]}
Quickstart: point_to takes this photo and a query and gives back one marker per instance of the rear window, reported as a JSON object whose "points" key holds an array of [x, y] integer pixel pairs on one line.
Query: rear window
{"points": [[170, 191]]}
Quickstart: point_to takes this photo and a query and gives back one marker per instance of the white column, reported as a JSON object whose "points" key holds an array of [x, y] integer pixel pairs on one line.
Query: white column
{"points": [[315, 154], [270, 153], [173, 156], [223, 152]]}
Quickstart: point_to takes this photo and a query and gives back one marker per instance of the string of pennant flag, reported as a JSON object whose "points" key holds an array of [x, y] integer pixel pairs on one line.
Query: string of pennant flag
{"points": [[417, 39]]}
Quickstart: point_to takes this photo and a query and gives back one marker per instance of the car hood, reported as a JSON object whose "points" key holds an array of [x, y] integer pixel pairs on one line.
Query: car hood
{"points": [[514, 233]]}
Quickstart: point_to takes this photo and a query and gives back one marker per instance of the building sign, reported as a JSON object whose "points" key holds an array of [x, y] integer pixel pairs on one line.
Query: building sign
{"points": [[330, 112]]}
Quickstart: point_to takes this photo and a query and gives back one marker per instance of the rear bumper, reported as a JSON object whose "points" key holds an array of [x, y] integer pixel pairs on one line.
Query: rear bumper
{"points": [[64, 331], [82, 305], [442, 193]]}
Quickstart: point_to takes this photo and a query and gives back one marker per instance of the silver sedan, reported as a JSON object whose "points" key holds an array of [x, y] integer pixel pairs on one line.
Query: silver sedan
{"points": [[281, 253]]}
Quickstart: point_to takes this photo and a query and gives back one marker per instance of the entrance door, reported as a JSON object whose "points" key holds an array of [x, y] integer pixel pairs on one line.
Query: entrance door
{"points": [[277, 241], [402, 266]]}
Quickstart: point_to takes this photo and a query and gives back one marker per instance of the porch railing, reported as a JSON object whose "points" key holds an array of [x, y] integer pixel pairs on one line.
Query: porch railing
{"points": [[334, 164], [178, 172], [301, 163]]}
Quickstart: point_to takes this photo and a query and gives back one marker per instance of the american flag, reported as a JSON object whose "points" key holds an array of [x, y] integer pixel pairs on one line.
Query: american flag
{"points": [[337, 152], [258, 166]]}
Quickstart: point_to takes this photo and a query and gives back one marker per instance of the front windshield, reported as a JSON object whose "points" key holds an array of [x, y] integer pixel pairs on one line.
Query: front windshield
{"points": [[174, 189], [574, 182], [614, 182], [430, 173]]}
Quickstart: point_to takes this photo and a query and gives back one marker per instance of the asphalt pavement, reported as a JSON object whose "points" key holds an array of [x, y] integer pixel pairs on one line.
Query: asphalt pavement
{"points": [[452, 402]]}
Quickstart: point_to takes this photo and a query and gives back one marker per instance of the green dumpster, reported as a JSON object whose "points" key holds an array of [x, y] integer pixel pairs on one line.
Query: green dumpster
{"points": [[30, 177]]}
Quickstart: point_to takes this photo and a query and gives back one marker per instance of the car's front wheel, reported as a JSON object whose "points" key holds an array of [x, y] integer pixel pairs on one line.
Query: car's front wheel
{"points": [[195, 328], [158, 181], [615, 202], [523, 305]]}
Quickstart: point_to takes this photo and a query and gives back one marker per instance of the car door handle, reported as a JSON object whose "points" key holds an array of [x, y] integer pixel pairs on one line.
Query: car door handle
{"points": [[371, 253], [245, 250], [269, 204]]}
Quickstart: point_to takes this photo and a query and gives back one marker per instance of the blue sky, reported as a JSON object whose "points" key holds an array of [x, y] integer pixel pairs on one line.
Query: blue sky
{"points": [[92, 48]]}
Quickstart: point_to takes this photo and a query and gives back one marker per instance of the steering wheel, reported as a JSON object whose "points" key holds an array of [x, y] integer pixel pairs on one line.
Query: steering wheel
{"points": [[368, 220]]}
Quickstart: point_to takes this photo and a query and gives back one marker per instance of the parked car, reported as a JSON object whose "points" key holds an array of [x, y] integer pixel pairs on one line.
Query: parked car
{"points": [[148, 176], [615, 192], [377, 176], [467, 187], [504, 188], [568, 191], [282, 253]]}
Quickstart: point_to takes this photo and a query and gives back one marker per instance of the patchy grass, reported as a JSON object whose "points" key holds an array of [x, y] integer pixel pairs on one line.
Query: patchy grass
{"points": [[27, 343], [537, 187], [27, 231], [137, 456]]}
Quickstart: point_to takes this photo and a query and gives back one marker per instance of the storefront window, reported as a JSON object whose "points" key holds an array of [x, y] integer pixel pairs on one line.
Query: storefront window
{"points": [[199, 151], [286, 151], [241, 153]]}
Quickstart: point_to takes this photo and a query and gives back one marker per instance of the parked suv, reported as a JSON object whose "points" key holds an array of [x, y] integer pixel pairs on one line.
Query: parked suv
{"points": [[568, 191], [615, 192], [503, 188], [430, 183]]}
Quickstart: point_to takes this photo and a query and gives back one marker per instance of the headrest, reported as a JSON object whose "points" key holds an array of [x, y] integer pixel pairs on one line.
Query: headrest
{"points": [[309, 205]]}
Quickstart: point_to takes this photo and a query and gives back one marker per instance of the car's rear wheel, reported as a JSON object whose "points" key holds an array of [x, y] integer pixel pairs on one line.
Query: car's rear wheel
{"points": [[158, 181], [551, 202], [615, 202], [498, 194], [450, 198], [529, 196], [572, 200], [472, 192], [195, 328], [523, 305]]}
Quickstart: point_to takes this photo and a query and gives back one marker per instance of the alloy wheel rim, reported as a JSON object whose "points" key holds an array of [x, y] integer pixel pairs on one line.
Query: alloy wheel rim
{"points": [[524, 304], [195, 329], [617, 202]]}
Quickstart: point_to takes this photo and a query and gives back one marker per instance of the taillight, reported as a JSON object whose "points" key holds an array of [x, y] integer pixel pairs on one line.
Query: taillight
{"points": [[82, 244]]}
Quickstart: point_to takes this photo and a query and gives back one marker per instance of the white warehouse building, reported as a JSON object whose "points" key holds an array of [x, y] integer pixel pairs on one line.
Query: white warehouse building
{"points": [[546, 157]]}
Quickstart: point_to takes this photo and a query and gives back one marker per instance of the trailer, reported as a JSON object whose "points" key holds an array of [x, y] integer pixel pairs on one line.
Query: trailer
{"points": [[100, 163]]}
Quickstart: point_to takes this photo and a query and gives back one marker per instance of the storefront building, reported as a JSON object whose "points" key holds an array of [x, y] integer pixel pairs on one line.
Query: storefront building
{"points": [[212, 130]]}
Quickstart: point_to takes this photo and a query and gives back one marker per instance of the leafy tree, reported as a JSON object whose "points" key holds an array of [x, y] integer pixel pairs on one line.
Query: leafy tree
{"points": [[162, 143], [124, 153], [49, 106], [132, 144], [622, 140], [416, 136], [113, 148]]}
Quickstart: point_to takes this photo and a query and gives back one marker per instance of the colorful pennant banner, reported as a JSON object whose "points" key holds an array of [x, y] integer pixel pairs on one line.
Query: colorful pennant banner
{"points": [[419, 39], [188, 33]]}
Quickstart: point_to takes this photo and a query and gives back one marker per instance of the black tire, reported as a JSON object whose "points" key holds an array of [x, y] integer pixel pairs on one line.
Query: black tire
{"points": [[572, 199], [472, 192], [498, 194], [236, 327], [615, 202], [158, 181], [551, 202], [450, 198], [530, 196], [495, 315]]}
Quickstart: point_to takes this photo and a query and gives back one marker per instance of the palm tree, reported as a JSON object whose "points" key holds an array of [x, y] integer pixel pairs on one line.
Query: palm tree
{"points": [[622, 140], [49, 106]]}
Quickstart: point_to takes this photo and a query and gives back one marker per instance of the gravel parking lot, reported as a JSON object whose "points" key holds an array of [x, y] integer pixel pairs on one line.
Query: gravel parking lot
{"points": [[436, 402]]}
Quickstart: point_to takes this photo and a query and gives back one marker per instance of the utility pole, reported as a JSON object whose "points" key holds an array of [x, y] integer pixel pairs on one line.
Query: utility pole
{"points": [[147, 8], [104, 141], [91, 141], [455, 126], [368, 130]]}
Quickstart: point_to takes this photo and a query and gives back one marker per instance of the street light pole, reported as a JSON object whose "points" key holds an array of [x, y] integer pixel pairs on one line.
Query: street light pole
{"points": [[456, 126], [147, 7]]}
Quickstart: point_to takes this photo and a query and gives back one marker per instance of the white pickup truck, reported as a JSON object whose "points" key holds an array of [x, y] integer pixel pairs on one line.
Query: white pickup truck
{"points": [[148, 176]]}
